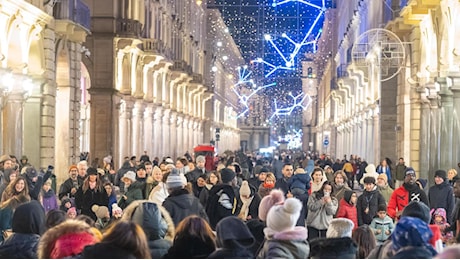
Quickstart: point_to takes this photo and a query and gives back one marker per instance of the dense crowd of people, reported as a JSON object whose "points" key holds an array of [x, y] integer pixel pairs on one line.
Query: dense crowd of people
{"points": [[246, 206]]}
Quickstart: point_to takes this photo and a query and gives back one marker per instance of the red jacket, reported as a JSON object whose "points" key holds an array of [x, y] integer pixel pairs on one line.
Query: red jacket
{"points": [[398, 201], [346, 210]]}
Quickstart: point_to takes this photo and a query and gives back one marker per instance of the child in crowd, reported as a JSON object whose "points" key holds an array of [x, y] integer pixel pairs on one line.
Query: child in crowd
{"points": [[299, 183], [439, 218], [103, 216], [66, 204], [382, 225], [47, 197], [117, 212], [72, 213]]}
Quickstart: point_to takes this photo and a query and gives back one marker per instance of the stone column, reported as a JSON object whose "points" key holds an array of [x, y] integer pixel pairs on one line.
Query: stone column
{"points": [[455, 88], [424, 136], [166, 138], [184, 127], [191, 132], [376, 135], [370, 140], [13, 123], [137, 122], [158, 132], [148, 130], [447, 109], [180, 138], [174, 151]]}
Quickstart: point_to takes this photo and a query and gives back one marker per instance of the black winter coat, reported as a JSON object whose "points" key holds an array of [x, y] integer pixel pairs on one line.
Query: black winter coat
{"points": [[84, 201], [20, 246], [181, 204], [333, 248], [370, 200], [106, 251], [442, 196]]}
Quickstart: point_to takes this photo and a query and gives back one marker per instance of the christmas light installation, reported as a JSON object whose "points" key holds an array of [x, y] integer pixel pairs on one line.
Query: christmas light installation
{"points": [[298, 102], [243, 80], [289, 58]]}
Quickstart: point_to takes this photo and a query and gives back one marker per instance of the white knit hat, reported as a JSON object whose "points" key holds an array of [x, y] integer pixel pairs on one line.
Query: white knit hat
{"points": [[129, 175], [176, 180], [284, 217], [245, 190], [340, 227]]}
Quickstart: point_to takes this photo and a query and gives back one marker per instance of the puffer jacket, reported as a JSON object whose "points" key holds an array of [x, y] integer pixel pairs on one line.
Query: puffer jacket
{"points": [[20, 246], [333, 248], [181, 204], [291, 244]]}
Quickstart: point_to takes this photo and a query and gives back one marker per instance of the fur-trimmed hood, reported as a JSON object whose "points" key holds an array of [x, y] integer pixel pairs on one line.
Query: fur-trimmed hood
{"points": [[69, 227], [129, 212]]}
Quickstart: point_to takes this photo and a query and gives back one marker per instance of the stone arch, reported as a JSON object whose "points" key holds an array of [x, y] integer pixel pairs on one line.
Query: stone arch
{"points": [[36, 61], [125, 87], [16, 42]]}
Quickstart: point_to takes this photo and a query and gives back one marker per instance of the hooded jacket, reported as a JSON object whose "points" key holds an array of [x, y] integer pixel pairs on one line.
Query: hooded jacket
{"points": [[290, 244], [347, 210], [442, 196], [5, 180], [156, 223], [133, 193], [402, 196], [233, 239], [28, 226], [181, 204], [222, 202]]}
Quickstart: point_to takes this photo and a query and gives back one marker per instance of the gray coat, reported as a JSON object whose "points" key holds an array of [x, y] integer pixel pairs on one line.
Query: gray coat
{"points": [[320, 215]]}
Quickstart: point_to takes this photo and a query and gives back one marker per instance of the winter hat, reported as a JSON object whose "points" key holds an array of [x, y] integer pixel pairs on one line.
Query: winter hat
{"points": [[347, 195], [369, 179], [417, 209], [130, 175], [31, 172], [71, 210], [422, 182], [245, 190], [116, 209], [232, 231], [169, 161], [200, 158], [275, 197], [264, 169], [340, 227], [227, 175], [140, 166], [100, 211], [176, 180], [440, 212], [411, 231], [91, 171], [72, 167], [107, 159], [383, 176], [409, 170], [441, 173], [4, 158], [284, 216]]}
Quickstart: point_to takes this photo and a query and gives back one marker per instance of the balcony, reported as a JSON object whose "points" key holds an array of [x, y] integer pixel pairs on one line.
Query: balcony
{"points": [[154, 46], [181, 66], [74, 10], [197, 78], [342, 71], [129, 28]]}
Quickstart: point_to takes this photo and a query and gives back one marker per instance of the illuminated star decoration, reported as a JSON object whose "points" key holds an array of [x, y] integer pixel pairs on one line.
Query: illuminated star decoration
{"points": [[293, 140], [289, 59], [285, 111], [243, 75]]}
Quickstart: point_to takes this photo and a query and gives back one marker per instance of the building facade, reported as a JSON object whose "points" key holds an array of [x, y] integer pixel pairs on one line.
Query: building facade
{"points": [[396, 99]]}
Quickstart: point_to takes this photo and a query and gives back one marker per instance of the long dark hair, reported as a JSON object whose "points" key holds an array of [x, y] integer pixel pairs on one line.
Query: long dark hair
{"points": [[130, 236], [320, 193], [365, 239]]}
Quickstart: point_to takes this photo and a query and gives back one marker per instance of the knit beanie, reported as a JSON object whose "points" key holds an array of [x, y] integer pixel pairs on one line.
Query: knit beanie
{"points": [[276, 196], [31, 172], [284, 216], [340, 227], [441, 174], [417, 209], [347, 195], [100, 211], [71, 244], [116, 209], [409, 170], [383, 176], [410, 231], [227, 175], [175, 180], [245, 190]]}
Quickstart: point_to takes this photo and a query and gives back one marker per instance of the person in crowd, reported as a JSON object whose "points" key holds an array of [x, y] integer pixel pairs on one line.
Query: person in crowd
{"points": [[141, 177], [124, 239], [452, 176], [349, 172], [7, 209], [112, 196], [339, 185], [90, 193], [213, 179], [132, 190], [16, 188], [441, 194], [117, 212], [28, 226], [400, 171], [47, 197], [383, 187], [103, 217], [283, 183], [250, 201], [223, 199], [66, 240], [329, 173], [233, 240], [317, 179], [72, 213], [194, 239], [152, 180], [160, 192], [259, 178], [347, 207], [283, 238], [54, 217], [410, 239], [369, 172], [156, 222], [364, 237], [268, 185], [182, 166], [199, 170], [181, 203], [82, 167], [368, 202], [408, 192], [439, 218], [69, 187], [125, 167], [198, 185], [385, 168], [34, 181], [322, 207], [337, 244], [9, 175], [382, 225]]}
